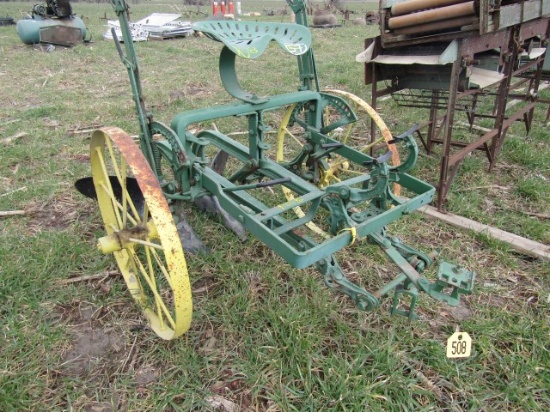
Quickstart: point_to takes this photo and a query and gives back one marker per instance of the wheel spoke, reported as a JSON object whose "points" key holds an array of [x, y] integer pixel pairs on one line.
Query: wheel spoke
{"points": [[117, 206], [151, 262], [114, 160], [107, 187], [105, 183], [124, 190], [145, 212], [129, 270], [164, 312], [145, 243], [297, 140], [335, 168], [154, 285], [120, 172], [162, 268]]}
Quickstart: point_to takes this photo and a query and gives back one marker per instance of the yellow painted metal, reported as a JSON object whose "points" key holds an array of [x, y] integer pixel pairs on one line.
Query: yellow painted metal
{"points": [[336, 164], [281, 134], [141, 233], [368, 109], [109, 244]]}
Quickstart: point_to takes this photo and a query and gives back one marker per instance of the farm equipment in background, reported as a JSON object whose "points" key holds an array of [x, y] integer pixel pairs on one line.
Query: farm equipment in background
{"points": [[309, 189], [413, 22], [52, 23], [450, 56], [156, 26], [6, 21]]}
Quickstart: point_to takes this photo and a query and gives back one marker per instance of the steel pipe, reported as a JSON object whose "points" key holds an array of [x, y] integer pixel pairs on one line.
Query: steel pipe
{"points": [[429, 16], [413, 6]]}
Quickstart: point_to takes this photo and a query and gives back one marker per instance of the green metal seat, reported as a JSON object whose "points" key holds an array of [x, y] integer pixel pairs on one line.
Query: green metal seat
{"points": [[250, 39]]}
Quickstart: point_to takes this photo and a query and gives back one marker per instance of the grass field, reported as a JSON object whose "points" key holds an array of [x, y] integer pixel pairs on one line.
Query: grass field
{"points": [[265, 336]]}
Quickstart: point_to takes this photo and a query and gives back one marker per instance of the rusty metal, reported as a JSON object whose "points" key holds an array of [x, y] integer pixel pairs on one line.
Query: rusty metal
{"points": [[447, 88], [137, 237], [488, 16], [437, 25], [413, 6], [429, 16]]}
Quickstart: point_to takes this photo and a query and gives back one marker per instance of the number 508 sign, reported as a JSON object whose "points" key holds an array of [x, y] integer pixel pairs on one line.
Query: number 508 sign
{"points": [[459, 345]]}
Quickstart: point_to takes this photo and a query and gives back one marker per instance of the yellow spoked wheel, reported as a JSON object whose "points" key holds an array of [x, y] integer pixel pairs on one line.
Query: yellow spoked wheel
{"points": [[356, 135], [361, 107], [140, 232]]}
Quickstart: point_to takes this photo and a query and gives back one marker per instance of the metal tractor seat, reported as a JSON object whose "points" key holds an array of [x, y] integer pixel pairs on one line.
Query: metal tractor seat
{"points": [[249, 40]]}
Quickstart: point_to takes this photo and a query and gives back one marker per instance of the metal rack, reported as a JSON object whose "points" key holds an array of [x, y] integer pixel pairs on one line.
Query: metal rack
{"points": [[457, 68]]}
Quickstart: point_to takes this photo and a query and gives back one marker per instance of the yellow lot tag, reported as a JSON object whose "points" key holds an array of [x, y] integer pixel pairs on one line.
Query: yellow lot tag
{"points": [[459, 345]]}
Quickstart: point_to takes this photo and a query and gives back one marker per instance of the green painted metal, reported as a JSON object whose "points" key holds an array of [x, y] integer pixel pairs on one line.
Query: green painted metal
{"points": [[250, 40], [53, 23], [31, 31], [357, 208]]}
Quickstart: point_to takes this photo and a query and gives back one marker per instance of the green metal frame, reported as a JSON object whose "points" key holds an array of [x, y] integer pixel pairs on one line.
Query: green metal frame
{"points": [[185, 152]]}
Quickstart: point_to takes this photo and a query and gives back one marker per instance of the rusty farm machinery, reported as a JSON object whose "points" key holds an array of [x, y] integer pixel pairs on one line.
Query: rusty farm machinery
{"points": [[307, 195], [460, 57]]}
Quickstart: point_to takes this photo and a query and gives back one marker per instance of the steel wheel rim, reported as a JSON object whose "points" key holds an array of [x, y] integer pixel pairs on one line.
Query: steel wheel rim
{"points": [[145, 242], [358, 103]]}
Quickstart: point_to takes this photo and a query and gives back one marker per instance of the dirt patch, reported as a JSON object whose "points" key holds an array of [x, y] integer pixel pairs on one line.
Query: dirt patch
{"points": [[230, 390], [80, 158], [95, 349], [99, 407], [57, 213], [461, 312], [195, 90], [146, 375], [92, 346], [102, 349]]}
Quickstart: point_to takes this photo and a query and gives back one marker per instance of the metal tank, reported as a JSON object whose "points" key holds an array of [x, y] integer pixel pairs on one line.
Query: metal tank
{"points": [[52, 23]]}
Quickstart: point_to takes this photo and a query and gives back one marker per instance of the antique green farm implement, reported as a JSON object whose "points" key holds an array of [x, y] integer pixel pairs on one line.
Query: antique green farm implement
{"points": [[307, 188]]}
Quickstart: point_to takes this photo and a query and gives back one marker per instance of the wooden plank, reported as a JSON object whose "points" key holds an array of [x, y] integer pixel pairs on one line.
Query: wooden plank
{"points": [[11, 213], [521, 244]]}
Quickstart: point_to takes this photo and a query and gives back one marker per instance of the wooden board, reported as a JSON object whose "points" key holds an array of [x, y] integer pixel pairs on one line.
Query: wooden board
{"points": [[521, 244]]}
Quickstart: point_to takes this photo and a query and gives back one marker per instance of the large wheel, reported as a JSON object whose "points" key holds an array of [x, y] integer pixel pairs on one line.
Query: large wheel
{"points": [[355, 134], [141, 232], [362, 108]]}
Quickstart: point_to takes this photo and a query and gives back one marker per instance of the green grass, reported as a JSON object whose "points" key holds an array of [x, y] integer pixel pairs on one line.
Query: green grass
{"points": [[264, 336]]}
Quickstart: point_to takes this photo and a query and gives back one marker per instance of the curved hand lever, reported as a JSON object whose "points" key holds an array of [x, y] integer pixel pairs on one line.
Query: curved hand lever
{"points": [[408, 133]]}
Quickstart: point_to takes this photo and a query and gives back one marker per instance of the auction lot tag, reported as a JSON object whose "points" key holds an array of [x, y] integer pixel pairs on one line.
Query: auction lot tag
{"points": [[459, 345]]}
